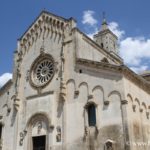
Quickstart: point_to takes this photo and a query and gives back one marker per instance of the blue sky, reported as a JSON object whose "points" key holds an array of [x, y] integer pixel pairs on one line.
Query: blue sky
{"points": [[128, 18]]}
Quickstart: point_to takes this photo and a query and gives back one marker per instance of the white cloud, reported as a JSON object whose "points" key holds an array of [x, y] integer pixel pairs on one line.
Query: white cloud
{"points": [[139, 69], [114, 27], [88, 18], [134, 50], [91, 23], [4, 78], [90, 35]]}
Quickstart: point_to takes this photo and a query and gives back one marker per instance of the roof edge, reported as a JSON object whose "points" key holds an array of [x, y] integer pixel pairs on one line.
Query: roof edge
{"points": [[6, 86]]}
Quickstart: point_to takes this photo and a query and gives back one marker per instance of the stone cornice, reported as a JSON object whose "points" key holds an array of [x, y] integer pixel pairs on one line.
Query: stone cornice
{"points": [[122, 69]]}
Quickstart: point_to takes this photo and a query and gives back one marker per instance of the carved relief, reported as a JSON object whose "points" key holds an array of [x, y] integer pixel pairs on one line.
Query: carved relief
{"points": [[110, 145], [45, 26], [39, 127], [22, 136]]}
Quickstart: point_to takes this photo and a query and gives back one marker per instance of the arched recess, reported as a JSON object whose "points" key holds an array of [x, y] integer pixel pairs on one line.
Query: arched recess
{"points": [[38, 130], [144, 123], [115, 93], [114, 108], [144, 107], [137, 103], [70, 89], [98, 94], [83, 92], [131, 105], [98, 98], [130, 116], [112, 119], [137, 129]]}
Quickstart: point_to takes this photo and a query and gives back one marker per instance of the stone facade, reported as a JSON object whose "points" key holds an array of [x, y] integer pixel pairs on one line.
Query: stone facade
{"points": [[69, 92]]}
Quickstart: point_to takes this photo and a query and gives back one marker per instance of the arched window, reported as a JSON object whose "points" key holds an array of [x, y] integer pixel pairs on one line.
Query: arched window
{"points": [[91, 115]]}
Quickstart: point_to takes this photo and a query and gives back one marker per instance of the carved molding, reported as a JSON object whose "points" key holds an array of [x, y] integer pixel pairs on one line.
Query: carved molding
{"points": [[122, 69], [22, 136], [47, 24], [63, 90]]}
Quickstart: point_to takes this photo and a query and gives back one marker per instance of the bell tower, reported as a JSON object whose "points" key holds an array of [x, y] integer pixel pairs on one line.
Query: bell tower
{"points": [[106, 38]]}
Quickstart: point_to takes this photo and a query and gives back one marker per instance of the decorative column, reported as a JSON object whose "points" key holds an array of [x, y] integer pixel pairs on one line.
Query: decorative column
{"points": [[125, 124]]}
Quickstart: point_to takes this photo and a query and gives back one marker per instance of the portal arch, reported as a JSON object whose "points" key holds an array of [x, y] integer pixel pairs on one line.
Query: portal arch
{"points": [[38, 130]]}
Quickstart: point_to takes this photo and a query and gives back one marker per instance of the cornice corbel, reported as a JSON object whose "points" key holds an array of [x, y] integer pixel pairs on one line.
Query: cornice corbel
{"points": [[141, 110], [124, 102], [106, 102]]}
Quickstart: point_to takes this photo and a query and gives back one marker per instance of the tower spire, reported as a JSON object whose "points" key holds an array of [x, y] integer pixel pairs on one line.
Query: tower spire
{"points": [[104, 18], [106, 38], [104, 25]]}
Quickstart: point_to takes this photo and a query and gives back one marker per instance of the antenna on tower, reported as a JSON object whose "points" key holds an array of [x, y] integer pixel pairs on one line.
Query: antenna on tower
{"points": [[104, 17]]}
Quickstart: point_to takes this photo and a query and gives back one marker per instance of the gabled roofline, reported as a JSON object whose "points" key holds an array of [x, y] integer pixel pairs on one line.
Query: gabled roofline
{"points": [[118, 58], [48, 13], [6, 86], [106, 31]]}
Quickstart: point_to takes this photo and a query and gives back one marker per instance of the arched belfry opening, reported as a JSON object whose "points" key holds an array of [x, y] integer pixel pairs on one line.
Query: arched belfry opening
{"points": [[38, 132]]}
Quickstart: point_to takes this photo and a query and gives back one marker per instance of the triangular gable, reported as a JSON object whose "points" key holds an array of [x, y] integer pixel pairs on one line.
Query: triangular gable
{"points": [[86, 48]]}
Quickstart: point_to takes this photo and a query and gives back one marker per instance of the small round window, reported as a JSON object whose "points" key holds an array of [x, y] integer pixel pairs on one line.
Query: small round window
{"points": [[42, 71]]}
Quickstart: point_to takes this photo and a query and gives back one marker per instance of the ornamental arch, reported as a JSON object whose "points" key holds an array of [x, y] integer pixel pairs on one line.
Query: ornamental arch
{"points": [[38, 132]]}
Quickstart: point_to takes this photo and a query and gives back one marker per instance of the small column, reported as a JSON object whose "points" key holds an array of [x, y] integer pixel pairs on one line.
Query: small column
{"points": [[125, 124]]}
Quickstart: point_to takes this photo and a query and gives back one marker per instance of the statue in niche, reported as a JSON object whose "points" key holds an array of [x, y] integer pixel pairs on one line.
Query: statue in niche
{"points": [[39, 127], [58, 136]]}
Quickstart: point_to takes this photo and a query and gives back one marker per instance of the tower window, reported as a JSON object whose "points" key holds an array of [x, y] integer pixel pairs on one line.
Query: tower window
{"points": [[91, 115], [0, 131], [102, 45], [80, 71]]}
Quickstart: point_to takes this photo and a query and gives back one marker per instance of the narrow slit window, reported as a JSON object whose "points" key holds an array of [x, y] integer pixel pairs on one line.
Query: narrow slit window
{"points": [[91, 115], [0, 131]]}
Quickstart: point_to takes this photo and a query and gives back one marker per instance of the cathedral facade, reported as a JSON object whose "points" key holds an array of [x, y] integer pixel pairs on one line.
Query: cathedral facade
{"points": [[69, 92]]}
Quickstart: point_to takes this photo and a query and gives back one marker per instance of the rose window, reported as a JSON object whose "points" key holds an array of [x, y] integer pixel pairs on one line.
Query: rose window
{"points": [[42, 71]]}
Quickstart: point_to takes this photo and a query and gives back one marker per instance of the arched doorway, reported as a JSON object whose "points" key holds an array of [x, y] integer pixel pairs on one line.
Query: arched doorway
{"points": [[38, 132]]}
